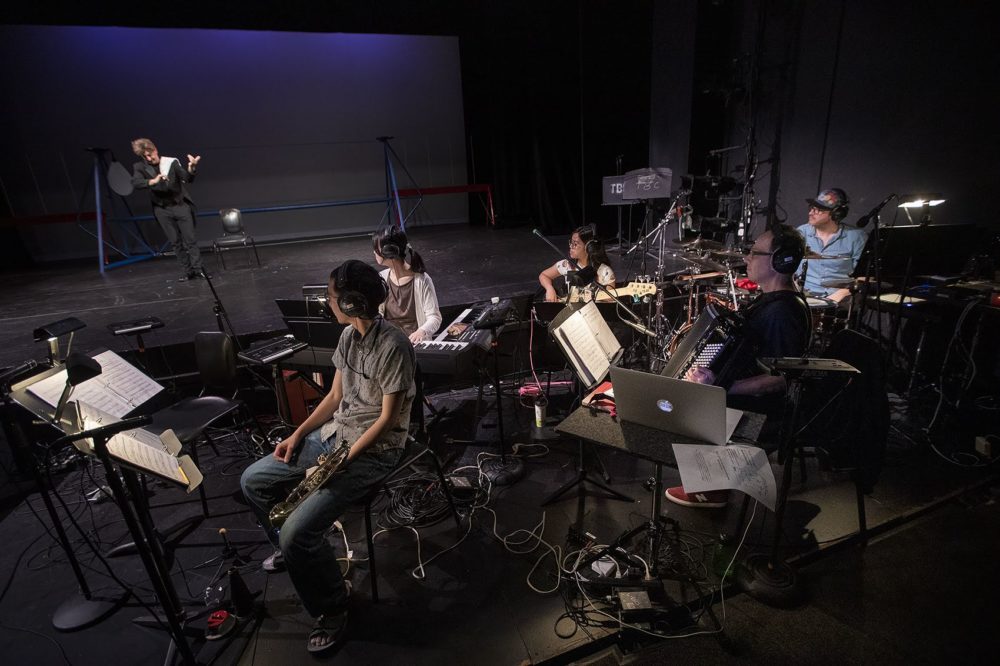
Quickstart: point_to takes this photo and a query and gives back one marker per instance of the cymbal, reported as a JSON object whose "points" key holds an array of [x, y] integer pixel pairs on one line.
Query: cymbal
{"points": [[707, 264], [729, 254], [699, 276], [816, 256], [698, 245], [853, 284]]}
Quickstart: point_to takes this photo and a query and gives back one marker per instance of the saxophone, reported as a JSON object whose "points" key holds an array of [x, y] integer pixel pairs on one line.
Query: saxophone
{"points": [[326, 465]]}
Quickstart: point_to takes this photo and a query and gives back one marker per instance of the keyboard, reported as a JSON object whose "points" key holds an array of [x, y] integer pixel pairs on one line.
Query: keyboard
{"points": [[272, 351], [137, 326]]}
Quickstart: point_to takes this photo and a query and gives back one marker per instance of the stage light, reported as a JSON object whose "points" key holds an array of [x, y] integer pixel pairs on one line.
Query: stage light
{"points": [[52, 332], [232, 220]]}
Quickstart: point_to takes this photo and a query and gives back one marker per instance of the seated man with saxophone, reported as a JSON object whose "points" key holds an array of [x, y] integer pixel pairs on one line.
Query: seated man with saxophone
{"points": [[365, 416]]}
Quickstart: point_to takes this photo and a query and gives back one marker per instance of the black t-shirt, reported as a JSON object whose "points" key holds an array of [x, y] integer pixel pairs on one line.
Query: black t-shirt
{"points": [[777, 324]]}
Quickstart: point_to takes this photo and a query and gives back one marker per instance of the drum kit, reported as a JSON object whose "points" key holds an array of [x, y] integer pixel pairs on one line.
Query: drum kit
{"points": [[712, 273]]}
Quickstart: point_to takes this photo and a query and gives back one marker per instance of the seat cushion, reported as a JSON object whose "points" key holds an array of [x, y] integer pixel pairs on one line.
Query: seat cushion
{"points": [[189, 417]]}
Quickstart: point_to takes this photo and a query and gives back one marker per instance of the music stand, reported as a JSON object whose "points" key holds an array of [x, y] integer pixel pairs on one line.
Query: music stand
{"points": [[589, 370], [85, 607]]}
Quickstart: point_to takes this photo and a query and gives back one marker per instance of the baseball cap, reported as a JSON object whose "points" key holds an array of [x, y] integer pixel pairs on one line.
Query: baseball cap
{"points": [[829, 199]]}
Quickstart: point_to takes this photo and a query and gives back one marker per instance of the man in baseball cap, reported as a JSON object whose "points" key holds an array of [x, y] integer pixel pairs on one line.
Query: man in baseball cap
{"points": [[826, 234]]}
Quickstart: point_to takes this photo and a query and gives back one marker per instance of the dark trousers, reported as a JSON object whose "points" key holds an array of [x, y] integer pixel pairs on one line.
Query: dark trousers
{"points": [[177, 223]]}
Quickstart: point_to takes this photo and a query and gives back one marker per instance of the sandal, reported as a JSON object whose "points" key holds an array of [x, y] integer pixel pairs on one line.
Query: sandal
{"points": [[327, 632]]}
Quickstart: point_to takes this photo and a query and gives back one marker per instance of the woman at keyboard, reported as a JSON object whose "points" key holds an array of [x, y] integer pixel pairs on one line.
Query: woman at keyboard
{"points": [[588, 251], [412, 304]]}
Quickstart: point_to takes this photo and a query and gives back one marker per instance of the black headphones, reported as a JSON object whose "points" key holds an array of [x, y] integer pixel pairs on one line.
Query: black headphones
{"points": [[357, 283], [787, 250], [593, 244], [839, 212]]}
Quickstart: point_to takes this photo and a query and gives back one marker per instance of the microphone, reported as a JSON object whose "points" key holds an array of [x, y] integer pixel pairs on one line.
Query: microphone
{"points": [[863, 222], [639, 327], [15, 371], [719, 151]]}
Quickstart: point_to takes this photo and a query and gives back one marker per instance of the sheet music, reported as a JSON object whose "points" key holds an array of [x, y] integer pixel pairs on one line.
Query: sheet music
{"points": [[589, 343], [585, 351], [165, 163], [143, 449], [740, 467], [120, 388], [595, 321]]}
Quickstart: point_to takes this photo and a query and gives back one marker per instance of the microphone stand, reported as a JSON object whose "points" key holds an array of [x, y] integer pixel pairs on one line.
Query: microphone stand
{"points": [[221, 316]]}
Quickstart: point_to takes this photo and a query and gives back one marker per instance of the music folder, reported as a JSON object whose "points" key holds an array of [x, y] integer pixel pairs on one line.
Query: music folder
{"points": [[586, 341]]}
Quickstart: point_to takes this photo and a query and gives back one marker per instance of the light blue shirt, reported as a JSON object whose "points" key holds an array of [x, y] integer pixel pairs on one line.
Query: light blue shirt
{"points": [[848, 241]]}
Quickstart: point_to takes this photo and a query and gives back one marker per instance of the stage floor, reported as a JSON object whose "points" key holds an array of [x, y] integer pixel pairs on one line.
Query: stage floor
{"points": [[474, 604], [467, 264]]}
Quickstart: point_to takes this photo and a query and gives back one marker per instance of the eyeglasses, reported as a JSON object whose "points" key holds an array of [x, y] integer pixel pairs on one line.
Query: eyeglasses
{"points": [[758, 253], [575, 243]]}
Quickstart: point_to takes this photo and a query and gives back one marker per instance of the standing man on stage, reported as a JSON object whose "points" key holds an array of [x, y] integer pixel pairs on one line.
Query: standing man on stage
{"points": [[166, 179], [368, 407], [826, 234]]}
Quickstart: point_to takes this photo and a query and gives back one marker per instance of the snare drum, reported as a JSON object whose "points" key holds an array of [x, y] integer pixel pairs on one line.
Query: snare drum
{"points": [[824, 320], [819, 306]]}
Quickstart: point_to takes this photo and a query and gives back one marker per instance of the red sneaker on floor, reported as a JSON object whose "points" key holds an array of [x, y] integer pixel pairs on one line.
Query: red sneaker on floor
{"points": [[709, 499]]}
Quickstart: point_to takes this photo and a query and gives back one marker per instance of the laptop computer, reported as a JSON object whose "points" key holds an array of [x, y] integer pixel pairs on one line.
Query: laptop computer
{"points": [[676, 406]]}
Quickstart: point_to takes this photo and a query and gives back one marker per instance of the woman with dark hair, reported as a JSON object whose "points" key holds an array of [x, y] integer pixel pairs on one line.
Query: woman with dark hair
{"points": [[587, 250], [412, 304]]}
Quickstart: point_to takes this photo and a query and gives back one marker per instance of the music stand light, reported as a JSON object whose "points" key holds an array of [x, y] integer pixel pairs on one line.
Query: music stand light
{"points": [[79, 368], [924, 201], [51, 333]]}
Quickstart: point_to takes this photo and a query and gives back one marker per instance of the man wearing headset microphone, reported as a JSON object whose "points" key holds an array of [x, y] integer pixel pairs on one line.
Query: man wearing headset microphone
{"points": [[368, 407], [826, 234]]}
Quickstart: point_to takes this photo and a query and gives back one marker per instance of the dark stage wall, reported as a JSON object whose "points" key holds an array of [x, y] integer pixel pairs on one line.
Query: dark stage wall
{"points": [[876, 98], [279, 118]]}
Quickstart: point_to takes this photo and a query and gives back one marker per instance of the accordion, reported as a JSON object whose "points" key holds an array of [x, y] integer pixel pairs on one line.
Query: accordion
{"points": [[715, 341]]}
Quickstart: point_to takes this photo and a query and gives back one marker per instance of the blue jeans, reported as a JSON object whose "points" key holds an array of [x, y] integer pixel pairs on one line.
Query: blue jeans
{"points": [[310, 558]]}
